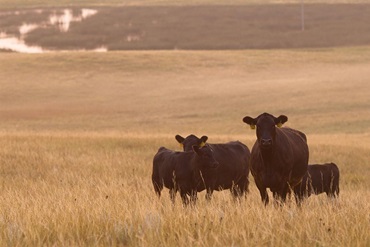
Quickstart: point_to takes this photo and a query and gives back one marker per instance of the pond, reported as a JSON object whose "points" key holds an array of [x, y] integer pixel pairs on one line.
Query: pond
{"points": [[58, 19]]}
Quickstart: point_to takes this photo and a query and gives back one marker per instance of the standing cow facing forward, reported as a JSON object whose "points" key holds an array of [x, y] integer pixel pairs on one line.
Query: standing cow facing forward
{"points": [[319, 178], [279, 156], [181, 171], [233, 170]]}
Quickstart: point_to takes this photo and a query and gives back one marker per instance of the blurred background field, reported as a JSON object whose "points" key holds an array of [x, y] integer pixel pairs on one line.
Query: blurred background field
{"points": [[53, 3], [78, 131], [322, 91], [201, 26]]}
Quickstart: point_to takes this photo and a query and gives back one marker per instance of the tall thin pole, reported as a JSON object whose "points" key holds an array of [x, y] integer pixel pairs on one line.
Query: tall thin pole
{"points": [[302, 15]]}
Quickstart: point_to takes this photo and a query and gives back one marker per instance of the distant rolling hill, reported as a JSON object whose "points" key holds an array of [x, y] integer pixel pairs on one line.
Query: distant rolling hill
{"points": [[272, 26]]}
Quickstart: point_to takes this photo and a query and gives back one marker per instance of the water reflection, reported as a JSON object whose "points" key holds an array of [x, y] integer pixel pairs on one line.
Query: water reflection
{"points": [[18, 45], [26, 28], [64, 20], [61, 20]]}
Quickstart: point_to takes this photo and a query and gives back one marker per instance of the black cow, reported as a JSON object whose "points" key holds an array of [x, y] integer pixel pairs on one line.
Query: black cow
{"points": [[190, 141], [233, 170], [181, 171], [279, 156], [319, 178]]}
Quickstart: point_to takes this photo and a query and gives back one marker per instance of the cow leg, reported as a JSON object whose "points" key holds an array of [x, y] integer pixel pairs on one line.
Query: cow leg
{"points": [[157, 188], [173, 195], [284, 192], [243, 187], [193, 197], [185, 199], [246, 187], [277, 198], [264, 196], [298, 196], [158, 192], [209, 194], [236, 192], [300, 192], [336, 190], [281, 195], [263, 191], [333, 191], [336, 186]]}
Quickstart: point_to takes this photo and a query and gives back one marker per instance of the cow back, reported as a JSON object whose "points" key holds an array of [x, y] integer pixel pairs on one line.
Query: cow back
{"points": [[324, 178], [320, 178], [164, 163], [233, 158], [176, 169]]}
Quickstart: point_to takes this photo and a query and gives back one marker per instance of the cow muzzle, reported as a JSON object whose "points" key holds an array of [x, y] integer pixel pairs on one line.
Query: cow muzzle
{"points": [[266, 143]]}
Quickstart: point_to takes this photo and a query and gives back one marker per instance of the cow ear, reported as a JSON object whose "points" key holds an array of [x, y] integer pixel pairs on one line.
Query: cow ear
{"points": [[203, 140], [179, 139], [250, 121], [279, 121], [197, 150]]}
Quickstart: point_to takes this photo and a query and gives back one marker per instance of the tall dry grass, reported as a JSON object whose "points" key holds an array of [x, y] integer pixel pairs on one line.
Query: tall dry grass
{"points": [[79, 131], [96, 190]]}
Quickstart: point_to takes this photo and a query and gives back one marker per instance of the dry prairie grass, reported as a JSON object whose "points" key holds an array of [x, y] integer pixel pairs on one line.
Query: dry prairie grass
{"points": [[96, 190], [79, 131]]}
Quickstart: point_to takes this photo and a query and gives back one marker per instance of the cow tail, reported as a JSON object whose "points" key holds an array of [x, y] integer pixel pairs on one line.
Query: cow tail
{"points": [[334, 180], [336, 184], [157, 181]]}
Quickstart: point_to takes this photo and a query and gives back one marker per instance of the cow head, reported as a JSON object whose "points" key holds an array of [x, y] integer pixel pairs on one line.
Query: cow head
{"points": [[206, 156], [266, 128], [190, 141]]}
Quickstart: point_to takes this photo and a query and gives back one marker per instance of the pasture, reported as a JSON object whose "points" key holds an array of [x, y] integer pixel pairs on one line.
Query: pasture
{"points": [[79, 131]]}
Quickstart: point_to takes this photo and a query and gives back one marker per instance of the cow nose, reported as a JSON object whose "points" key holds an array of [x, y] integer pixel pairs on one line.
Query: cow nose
{"points": [[266, 142]]}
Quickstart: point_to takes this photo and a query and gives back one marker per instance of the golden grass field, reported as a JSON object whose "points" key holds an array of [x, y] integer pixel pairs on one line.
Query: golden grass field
{"points": [[78, 132]]}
